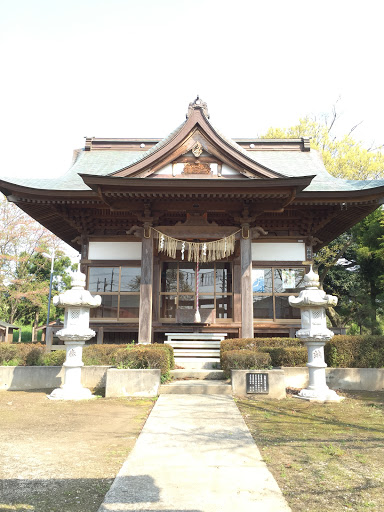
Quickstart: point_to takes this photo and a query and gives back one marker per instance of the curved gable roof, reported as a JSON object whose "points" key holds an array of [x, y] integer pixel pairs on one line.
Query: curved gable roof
{"points": [[180, 141]]}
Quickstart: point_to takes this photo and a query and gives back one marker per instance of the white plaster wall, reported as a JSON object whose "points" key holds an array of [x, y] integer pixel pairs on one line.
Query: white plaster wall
{"points": [[227, 171], [290, 251], [114, 251], [167, 170]]}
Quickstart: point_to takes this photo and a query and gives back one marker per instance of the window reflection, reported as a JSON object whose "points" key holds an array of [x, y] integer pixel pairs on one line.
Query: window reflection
{"points": [[119, 288], [103, 279], [215, 287], [130, 279], [271, 289]]}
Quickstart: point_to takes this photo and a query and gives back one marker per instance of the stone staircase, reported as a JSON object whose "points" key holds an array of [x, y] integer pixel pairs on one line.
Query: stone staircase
{"points": [[197, 382], [196, 350]]}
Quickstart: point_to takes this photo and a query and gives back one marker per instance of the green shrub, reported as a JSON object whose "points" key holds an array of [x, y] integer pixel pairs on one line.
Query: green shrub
{"points": [[170, 352], [8, 352], [142, 357], [256, 343], [55, 358], [244, 360], [355, 352], [287, 356], [100, 355], [340, 352], [35, 355], [12, 362], [265, 345]]}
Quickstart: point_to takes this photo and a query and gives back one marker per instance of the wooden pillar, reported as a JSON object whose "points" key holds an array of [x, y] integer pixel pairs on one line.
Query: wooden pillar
{"points": [[83, 254], [145, 313], [100, 336], [237, 290], [246, 288]]}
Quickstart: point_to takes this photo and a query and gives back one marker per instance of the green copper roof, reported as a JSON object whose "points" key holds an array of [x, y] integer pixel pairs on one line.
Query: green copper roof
{"points": [[106, 162]]}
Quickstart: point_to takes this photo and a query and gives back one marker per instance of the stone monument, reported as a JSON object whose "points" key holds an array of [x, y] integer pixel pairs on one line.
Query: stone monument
{"points": [[312, 303], [77, 302]]}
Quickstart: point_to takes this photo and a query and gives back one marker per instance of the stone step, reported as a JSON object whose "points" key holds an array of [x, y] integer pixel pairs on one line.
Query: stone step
{"points": [[196, 387], [195, 344], [171, 337], [195, 352], [198, 374], [198, 363]]}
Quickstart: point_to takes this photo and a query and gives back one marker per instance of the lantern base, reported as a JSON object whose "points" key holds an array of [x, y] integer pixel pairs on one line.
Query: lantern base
{"points": [[70, 393], [323, 395]]}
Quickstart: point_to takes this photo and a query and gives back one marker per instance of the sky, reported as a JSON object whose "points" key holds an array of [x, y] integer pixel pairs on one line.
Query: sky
{"points": [[129, 68]]}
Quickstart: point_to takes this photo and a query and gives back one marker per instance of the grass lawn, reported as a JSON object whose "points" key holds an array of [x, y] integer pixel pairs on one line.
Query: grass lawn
{"points": [[325, 457]]}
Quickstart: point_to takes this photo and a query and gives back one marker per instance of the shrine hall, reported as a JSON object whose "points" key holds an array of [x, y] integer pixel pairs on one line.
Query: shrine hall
{"points": [[197, 232]]}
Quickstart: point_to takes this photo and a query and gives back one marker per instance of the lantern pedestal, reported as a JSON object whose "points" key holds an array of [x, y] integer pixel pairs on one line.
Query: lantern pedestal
{"points": [[72, 388], [317, 389]]}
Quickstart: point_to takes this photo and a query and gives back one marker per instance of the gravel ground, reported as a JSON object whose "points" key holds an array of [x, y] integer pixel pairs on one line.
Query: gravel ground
{"points": [[63, 455]]}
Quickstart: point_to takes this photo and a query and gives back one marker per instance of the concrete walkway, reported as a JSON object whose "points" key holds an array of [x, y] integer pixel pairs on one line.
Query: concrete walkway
{"points": [[195, 454]]}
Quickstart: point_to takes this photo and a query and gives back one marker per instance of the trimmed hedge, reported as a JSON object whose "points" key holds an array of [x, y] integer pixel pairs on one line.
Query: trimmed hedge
{"points": [[244, 360], [340, 352], [283, 351], [355, 352], [256, 343], [144, 356], [287, 356], [33, 354], [100, 355]]}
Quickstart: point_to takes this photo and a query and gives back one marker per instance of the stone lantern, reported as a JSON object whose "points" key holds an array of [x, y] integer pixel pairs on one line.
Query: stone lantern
{"points": [[77, 302], [312, 303]]}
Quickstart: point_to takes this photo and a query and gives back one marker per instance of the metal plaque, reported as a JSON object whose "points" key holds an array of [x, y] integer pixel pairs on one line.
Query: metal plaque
{"points": [[257, 383]]}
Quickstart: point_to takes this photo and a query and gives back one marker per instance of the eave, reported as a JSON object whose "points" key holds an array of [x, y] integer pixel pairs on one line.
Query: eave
{"points": [[138, 187], [338, 196]]}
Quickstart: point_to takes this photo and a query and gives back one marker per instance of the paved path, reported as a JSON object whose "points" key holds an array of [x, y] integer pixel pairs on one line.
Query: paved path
{"points": [[195, 454]]}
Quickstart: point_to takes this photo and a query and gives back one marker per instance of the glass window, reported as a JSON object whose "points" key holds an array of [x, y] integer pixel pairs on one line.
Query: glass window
{"points": [[186, 277], [271, 289], [262, 280], [130, 279], [108, 308], [263, 306], [224, 306], [169, 277], [168, 306], [206, 278], [186, 302], [284, 310], [288, 279], [103, 279], [119, 288], [206, 301], [223, 277], [129, 306], [215, 288]]}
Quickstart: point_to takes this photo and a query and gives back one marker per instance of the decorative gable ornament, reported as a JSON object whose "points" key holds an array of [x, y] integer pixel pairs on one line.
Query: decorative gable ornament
{"points": [[198, 104], [197, 168], [197, 149]]}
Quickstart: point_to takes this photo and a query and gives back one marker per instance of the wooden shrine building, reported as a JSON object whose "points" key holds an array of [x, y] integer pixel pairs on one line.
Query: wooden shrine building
{"points": [[150, 215]]}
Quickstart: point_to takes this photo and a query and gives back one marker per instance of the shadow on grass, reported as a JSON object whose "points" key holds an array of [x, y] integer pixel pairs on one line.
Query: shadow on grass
{"points": [[297, 414], [80, 495]]}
